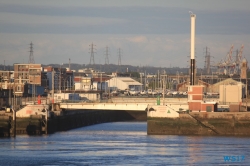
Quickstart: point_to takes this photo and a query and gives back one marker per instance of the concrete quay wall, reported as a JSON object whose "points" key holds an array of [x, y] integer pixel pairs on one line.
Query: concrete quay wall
{"points": [[64, 120], [214, 123]]}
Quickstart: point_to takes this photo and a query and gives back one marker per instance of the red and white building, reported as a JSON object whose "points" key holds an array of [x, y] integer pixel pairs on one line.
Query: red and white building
{"points": [[196, 102]]}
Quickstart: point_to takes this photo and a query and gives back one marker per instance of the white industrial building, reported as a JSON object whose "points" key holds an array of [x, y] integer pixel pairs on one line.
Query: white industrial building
{"points": [[83, 83], [231, 93], [124, 83]]}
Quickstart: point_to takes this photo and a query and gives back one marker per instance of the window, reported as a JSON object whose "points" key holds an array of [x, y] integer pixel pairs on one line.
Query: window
{"points": [[19, 88]]}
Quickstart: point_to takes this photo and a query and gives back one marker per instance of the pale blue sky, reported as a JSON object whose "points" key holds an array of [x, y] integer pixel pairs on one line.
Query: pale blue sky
{"points": [[155, 33]]}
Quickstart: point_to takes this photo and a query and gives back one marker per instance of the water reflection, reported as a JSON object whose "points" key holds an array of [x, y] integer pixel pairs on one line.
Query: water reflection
{"points": [[123, 143]]}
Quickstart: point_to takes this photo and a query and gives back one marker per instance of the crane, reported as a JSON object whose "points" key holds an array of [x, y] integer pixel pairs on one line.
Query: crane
{"points": [[238, 60]]}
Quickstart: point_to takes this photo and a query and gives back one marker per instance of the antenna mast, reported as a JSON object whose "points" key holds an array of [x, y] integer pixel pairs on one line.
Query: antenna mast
{"points": [[31, 58]]}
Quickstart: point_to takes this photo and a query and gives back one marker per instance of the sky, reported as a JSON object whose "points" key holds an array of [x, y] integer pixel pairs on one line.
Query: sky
{"points": [[149, 33]]}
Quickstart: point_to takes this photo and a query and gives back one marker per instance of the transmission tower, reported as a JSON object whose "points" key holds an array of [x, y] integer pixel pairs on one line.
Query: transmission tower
{"points": [[92, 58], [107, 56], [207, 61], [31, 58], [119, 57]]}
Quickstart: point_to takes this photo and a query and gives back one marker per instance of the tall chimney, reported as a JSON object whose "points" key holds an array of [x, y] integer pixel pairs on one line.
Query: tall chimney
{"points": [[192, 56]]}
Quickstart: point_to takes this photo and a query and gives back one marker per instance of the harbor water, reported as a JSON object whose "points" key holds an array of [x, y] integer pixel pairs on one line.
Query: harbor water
{"points": [[122, 143]]}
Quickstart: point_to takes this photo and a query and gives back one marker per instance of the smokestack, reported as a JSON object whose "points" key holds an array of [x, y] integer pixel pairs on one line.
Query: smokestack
{"points": [[192, 55]]}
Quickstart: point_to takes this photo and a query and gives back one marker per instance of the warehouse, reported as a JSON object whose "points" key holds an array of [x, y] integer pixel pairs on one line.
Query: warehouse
{"points": [[123, 83]]}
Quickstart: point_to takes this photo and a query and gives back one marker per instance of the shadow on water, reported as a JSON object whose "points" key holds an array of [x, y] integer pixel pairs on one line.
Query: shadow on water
{"points": [[31, 129], [1, 132]]}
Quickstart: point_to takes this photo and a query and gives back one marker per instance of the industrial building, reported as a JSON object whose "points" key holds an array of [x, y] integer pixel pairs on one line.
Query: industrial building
{"points": [[196, 102], [63, 78], [231, 94], [123, 83]]}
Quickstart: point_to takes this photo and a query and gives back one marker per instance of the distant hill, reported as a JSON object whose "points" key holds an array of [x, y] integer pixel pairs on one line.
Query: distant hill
{"points": [[121, 69], [124, 68]]}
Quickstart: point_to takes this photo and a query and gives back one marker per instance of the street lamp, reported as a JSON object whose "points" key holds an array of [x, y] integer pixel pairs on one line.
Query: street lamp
{"points": [[60, 79], [246, 89], [164, 84]]}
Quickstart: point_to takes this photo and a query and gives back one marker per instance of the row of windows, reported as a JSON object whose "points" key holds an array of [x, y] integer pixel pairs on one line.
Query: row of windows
{"points": [[5, 74]]}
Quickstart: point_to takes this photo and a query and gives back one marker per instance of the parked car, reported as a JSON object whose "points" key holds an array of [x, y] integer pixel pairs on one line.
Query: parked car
{"points": [[114, 93], [154, 93], [175, 93], [185, 93], [222, 110], [149, 91], [143, 93], [133, 92]]}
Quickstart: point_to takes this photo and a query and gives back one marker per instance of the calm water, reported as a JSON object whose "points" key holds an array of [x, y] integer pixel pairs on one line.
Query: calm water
{"points": [[122, 143]]}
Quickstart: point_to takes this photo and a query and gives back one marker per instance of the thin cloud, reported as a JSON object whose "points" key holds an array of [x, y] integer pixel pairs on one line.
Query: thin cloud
{"points": [[138, 39], [34, 20]]}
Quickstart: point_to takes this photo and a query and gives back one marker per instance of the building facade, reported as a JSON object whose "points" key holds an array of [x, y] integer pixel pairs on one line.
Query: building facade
{"points": [[244, 67], [27, 73]]}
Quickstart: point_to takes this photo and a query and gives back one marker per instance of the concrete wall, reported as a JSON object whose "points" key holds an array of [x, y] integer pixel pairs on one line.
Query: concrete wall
{"points": [[90, 96], [29, 110], [162, 112], [222, 115], [212, 123]]}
